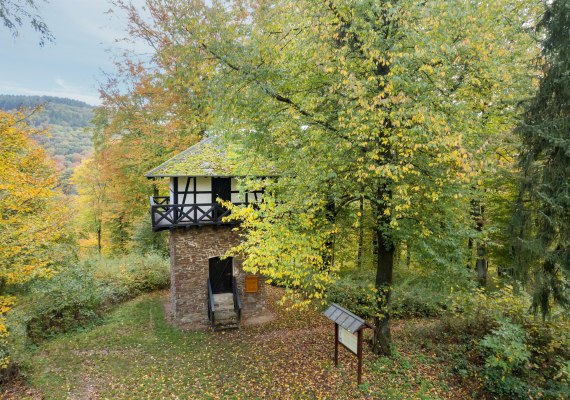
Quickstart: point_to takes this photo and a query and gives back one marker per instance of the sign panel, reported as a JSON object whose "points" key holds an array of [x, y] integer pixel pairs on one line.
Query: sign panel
{"points": [[350, 340], [251, 284]]}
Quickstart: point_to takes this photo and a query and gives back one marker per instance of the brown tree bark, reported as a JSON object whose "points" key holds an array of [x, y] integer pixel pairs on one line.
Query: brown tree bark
{"points": [[384, 270], [99, 248], [382, 343], [360, 256], [481, 263]]}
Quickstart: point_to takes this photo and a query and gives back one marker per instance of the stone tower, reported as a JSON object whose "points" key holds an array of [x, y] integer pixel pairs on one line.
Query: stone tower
{"points": [[205, 286]]}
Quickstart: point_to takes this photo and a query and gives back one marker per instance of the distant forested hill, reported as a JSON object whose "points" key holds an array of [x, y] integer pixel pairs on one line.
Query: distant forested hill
{"points": [[56, 110], [67, 121]]}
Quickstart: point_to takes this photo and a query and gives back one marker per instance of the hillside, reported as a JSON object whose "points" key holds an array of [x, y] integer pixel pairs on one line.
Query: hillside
{"points": [[56, 110], [67, 121]]}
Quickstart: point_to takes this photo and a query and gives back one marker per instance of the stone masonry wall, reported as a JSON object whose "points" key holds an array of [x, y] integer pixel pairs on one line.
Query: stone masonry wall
{"points": [[190, 251]]}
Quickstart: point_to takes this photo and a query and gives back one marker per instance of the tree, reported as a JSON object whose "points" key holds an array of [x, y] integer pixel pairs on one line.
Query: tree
{"points": [[32, 211], [381, 101], [14, 13], [541, 220], [162, 111], [92, 190], [376, 100]]}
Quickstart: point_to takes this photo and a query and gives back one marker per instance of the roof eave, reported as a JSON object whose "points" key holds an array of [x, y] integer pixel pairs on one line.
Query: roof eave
{"points": [[210, 176]]}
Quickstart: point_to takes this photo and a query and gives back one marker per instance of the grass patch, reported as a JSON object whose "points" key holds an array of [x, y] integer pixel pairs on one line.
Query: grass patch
{"points": [[135, 353]]}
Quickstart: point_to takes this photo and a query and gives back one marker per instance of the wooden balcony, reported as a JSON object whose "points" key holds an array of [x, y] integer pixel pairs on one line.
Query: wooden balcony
{"points": [[167, 216]]}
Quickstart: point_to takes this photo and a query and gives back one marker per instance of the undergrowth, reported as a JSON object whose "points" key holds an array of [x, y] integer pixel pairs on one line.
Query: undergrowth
{"points": [[77, 297]]}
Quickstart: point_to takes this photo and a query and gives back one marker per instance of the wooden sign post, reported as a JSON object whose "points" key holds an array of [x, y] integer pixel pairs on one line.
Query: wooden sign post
{"points": [[348, 329]]}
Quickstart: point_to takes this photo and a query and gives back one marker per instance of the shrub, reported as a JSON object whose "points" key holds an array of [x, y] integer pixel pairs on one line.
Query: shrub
{"points": [[414, 300], [76, 297], [506, 355], [523, 355], [126, 277], [68, 300], [145, 241], [358, 297], [408, 300]]}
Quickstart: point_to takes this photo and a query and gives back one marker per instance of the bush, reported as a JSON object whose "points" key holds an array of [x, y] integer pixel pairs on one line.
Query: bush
{"points": [[523, 355], [412, 301], [506, 355], [68, 300], [145, 241], [408, 300], [358, 297], [124, 278], [76, 297]]}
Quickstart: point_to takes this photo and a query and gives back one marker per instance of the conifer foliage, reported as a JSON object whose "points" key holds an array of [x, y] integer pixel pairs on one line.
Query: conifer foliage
{"points": [[542, 217]]}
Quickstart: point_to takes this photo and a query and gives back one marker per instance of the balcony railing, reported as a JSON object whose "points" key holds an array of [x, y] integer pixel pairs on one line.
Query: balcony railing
{"points": [[166, 216]]}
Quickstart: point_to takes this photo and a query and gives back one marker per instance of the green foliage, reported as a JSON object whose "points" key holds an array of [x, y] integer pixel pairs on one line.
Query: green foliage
{"points": [[34, 230], [66, 144], [540, 223], [523, 355], [144, 240], [506, 355], [357, 297], [67, 121], [54, 110], [69, 300], [410, 299], [78, 296], [126, 277]]}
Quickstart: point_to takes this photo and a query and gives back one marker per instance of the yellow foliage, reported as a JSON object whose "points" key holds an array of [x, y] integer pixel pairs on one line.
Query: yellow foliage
{"points": [[30, 208]]}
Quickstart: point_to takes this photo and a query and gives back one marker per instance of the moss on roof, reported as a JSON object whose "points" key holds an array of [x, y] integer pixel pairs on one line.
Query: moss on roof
{"points": [[210, 157]]}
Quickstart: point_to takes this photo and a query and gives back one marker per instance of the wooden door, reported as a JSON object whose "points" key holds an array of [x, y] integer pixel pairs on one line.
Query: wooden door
{"points": [[222, 188], [221, 274]]}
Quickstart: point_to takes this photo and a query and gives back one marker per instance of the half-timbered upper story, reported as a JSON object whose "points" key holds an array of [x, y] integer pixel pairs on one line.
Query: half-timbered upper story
{"points": [[199, 176]]}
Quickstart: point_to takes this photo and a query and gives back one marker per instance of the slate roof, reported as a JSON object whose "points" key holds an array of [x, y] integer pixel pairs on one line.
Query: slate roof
{"points": [[345, 318], [210, 157]]}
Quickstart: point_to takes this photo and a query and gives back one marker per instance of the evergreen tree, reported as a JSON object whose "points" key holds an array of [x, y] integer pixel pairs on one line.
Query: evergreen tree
{"points": [[542, 216]]}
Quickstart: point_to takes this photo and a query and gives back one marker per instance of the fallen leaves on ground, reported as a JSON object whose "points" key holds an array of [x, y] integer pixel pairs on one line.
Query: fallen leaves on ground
{"points": [[137, 354]]}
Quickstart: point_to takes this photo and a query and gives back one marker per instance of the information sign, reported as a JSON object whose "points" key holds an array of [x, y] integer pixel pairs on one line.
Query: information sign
{"points": [[349, 340]]}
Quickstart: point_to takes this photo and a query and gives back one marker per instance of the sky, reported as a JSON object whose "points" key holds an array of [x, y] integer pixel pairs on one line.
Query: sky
{"points": [[86, 33]]}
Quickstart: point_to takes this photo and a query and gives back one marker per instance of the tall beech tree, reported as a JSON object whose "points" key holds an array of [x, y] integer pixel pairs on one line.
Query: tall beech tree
{"points": [[386, 101], [542, 217]]}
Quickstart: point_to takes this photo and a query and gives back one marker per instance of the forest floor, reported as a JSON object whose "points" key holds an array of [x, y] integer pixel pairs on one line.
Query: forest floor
{"points": [[136, 354]]}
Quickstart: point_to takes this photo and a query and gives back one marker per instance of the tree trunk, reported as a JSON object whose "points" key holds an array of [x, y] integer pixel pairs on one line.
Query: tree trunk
{"points": [[385, 266], [361, 235], [469, 253], [481, 264], [375, 248], [382, 343], [99, 239], [328, 253]]}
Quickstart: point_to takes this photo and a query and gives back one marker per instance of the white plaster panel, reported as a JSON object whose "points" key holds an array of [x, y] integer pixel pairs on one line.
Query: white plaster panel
{"points": [[204, 184]]}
